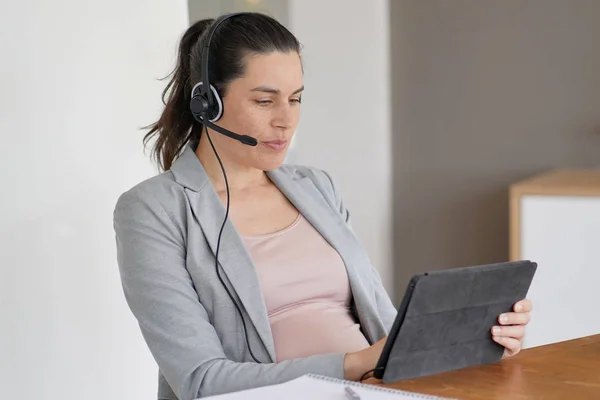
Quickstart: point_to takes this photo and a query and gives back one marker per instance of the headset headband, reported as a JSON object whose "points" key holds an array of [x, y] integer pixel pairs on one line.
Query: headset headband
{"points": [[205, 88]]}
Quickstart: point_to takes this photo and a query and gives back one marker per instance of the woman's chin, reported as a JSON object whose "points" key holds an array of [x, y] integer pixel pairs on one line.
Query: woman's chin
{"points": [[271, 163]]}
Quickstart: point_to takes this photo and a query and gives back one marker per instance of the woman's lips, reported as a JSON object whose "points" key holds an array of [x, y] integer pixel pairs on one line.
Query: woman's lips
{"points": [[276, 144]]}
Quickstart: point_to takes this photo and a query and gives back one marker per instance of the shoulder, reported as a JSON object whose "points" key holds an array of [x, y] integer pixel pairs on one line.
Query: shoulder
{"points": [[159, 196]]}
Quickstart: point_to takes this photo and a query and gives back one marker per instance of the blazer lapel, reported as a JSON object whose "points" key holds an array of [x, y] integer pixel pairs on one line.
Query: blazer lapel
{"points": [[234, 259], [303, 194]]}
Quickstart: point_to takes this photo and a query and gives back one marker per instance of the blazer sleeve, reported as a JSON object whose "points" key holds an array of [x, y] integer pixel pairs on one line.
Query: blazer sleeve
{"points": [[159, 291], [385, 307]]}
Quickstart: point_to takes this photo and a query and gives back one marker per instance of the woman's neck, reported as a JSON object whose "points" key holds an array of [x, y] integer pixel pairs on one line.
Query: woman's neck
{"points": [[239, 177]]}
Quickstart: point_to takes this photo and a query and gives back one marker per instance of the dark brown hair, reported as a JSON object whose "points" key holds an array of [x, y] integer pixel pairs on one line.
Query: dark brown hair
{"points": [[233, 40]]}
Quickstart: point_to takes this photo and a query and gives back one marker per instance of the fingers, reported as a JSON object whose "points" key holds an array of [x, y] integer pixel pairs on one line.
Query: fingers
{"points": [[512, 330], [380, 343], [516, 332], [514, 318], [523, 306], [512, 345]]}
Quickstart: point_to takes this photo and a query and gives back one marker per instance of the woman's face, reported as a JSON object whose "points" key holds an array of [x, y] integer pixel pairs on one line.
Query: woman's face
{"points": [[264, 103]]}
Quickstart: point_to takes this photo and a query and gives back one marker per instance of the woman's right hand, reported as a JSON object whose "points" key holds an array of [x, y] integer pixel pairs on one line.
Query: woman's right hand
{"points": [[359, 362]]}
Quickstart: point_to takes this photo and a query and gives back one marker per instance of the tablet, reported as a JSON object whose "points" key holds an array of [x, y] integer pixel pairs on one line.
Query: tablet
{"points": [[445, 319]]}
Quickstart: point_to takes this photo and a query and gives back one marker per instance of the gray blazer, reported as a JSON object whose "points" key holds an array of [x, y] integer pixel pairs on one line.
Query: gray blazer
{"points": [[166, 234]]}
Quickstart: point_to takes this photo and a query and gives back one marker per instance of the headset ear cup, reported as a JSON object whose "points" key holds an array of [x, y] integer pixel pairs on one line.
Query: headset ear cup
{"points": [[217, 109], [201, 105], [198, 106], [198, 103]]}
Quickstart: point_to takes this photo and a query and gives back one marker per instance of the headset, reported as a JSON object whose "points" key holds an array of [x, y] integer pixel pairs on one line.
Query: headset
{"points": [[207, 107], [206, 104]]}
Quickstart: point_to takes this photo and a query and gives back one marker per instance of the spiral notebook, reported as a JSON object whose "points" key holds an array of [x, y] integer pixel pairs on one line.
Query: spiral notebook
{"points": [[317, 387]]}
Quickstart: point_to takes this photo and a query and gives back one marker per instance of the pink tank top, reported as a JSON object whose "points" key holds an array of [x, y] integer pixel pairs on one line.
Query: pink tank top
{"points": [[307, 293]]}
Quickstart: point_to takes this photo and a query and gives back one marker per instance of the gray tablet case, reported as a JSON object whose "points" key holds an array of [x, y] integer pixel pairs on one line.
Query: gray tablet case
{"points": [[444, 322]]}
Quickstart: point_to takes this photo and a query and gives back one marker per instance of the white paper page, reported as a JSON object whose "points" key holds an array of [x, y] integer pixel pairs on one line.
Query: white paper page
{"points": [[307, 387]]}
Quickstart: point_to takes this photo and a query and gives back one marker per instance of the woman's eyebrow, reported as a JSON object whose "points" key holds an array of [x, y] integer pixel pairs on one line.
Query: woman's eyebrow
{"points": [[267, 89]]}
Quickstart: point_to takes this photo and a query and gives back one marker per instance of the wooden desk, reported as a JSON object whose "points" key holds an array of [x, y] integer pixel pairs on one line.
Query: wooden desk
{"points": [[566, 370]]}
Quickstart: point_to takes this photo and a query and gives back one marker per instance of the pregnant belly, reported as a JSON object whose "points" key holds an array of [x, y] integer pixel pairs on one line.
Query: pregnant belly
{"points": [[315, 328]]}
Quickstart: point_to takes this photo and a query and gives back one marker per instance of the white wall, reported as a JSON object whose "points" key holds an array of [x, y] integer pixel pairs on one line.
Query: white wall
{"points": [[78, 79], [345, 123]]}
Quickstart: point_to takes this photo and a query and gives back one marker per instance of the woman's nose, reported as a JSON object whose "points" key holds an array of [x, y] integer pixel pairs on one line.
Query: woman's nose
{"points": [[285, 116]]}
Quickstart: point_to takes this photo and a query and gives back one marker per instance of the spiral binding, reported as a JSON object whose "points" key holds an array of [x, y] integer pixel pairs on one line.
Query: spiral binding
{"points": [[378, 388]]}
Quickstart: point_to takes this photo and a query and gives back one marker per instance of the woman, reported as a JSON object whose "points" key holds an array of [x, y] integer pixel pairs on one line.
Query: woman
{"points": [[294, 291]]}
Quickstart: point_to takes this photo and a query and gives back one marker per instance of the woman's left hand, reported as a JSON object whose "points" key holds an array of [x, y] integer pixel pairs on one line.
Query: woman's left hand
{"points": [[511, 331]]}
